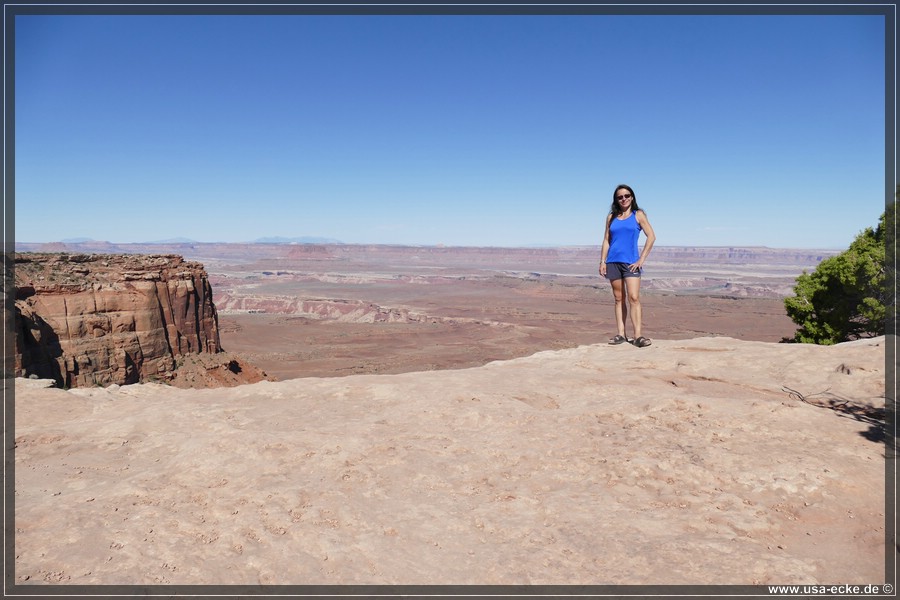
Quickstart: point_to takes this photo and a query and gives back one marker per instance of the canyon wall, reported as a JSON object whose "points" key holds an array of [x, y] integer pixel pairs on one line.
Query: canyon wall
{"points": [[100, 319]]}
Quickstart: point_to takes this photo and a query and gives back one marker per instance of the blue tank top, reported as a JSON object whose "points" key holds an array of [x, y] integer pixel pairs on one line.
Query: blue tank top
{"points": [[623, 240]]}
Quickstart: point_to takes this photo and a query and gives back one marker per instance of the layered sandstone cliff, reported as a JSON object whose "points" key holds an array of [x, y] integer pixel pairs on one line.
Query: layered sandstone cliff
{"points": [[99, 319]]}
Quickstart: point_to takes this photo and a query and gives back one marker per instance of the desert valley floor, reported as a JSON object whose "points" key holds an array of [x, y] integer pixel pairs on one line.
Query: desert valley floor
{"points": [[326, 311]]}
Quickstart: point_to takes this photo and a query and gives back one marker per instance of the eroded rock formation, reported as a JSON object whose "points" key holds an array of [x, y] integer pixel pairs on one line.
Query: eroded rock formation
{"points": [[99, 319]]}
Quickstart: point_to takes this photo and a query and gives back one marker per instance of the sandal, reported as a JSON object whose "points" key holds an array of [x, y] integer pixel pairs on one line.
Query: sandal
{"points": [[641, 342], [618, 340]]}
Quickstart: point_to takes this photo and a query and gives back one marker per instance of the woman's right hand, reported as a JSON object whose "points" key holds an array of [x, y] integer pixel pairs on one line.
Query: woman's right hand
{"points": [[603, 269]]}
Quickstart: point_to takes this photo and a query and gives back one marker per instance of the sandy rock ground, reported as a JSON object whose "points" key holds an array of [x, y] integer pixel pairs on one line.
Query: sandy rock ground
{"points": [[683, 463]]}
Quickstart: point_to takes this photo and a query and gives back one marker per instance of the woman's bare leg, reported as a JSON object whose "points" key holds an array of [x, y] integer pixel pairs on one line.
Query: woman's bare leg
{"points": [[618, 289], [633, 286]]}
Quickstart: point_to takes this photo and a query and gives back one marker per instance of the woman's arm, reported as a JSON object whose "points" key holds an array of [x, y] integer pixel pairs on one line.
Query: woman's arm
{"points": [[642, 220], [605, 248]]}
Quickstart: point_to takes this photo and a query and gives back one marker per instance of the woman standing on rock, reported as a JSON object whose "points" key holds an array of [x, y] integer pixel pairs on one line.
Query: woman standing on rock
{"points": [[621, 263]]}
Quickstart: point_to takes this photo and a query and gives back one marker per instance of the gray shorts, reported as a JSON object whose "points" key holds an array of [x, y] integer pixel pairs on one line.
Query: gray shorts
{"points": [[620, 270]]}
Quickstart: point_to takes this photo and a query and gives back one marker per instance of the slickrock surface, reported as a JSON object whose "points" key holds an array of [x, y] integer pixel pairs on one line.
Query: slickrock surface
{"points": [[93, 319], [686, 462]]}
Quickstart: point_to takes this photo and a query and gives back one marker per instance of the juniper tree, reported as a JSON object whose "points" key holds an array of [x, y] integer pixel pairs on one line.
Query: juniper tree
{"points": [[847, 296]]}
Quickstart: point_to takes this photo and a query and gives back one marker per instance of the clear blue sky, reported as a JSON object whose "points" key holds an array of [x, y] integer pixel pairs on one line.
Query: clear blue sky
{"points": [[458, 130]]}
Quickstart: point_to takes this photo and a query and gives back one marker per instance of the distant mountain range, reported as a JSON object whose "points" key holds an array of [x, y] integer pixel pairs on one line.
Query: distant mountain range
{"points": [[184, 240], [86, 240], [175, 240], [78, 240], [296, 240]]}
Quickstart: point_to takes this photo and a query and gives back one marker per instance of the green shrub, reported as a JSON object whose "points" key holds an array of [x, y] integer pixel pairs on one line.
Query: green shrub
{"points": [[845, 298]]}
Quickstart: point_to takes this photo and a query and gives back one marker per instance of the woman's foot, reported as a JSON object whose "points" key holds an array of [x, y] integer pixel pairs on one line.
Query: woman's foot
{"points": [[641, 342], [619, 339]]}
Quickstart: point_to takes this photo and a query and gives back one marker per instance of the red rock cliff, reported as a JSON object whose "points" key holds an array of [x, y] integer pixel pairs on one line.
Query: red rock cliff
{"points": [[95, 319]]}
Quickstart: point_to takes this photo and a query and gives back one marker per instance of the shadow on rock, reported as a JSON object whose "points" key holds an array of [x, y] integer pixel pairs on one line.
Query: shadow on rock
{"points": [[873, 416]]}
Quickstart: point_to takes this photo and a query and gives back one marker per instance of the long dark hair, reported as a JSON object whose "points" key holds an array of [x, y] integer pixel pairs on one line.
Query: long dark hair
{"points": [[616, 210]]}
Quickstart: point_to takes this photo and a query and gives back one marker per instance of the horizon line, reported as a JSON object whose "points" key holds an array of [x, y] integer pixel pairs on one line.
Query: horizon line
{"points": [[407, 245]]}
